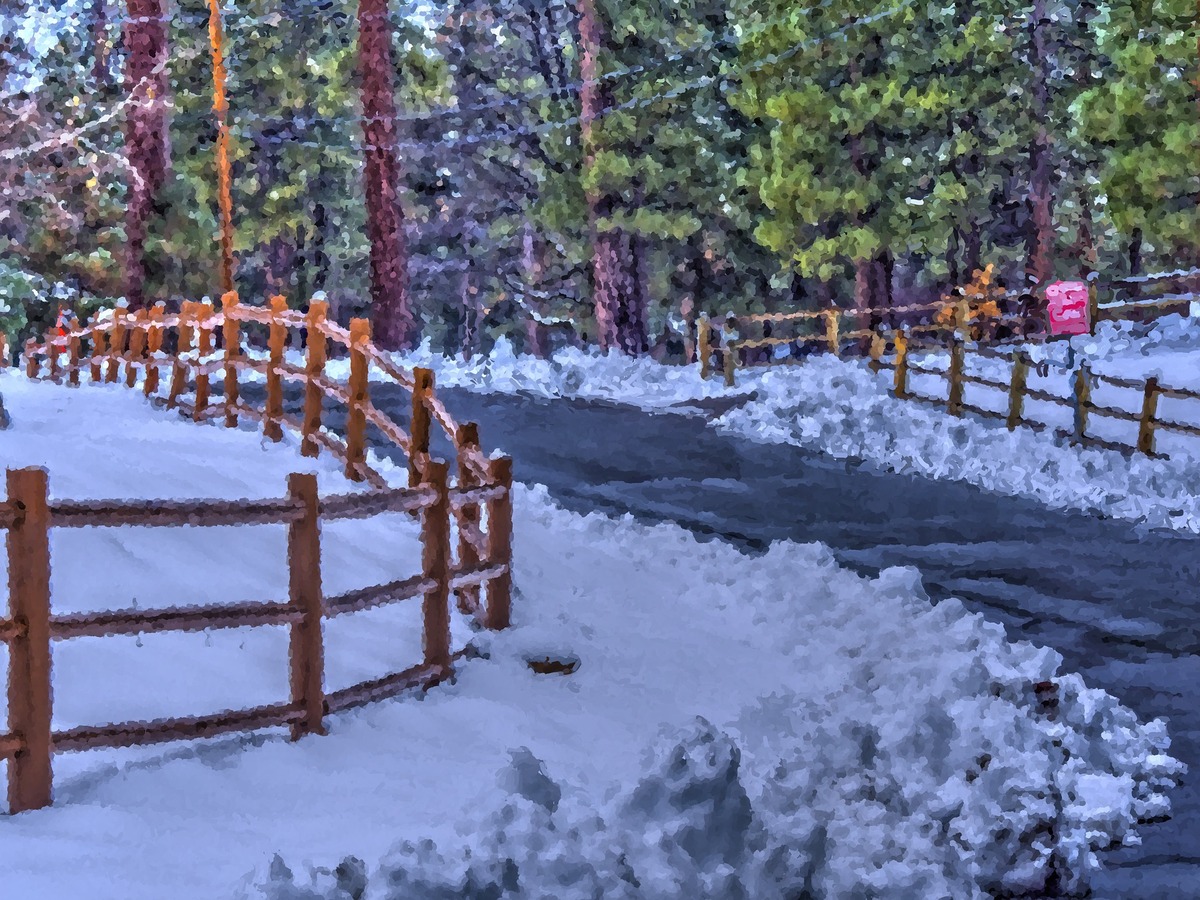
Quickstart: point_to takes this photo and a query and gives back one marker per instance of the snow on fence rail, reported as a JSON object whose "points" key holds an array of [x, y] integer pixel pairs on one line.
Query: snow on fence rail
{"points": [[28, 515]]}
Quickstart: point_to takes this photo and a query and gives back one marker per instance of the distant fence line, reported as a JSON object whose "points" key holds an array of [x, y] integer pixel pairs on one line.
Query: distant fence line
{"points": [[961, 325]]}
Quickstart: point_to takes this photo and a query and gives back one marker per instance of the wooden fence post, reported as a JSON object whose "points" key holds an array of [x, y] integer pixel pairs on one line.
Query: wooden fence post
{"points": [[877, 347], [272, 427], [32, 365], [5, 362], [73, 343], [29, 693], [468, 556], [52, 354], [703, 349], [831, 331], [900, 389], [954, 399], [1016, 390], [435, 565], [231, 331], [1093, 305], [729, 362], [306, 651], [204, 348], [116, 346], [359, 391], [315, 368], [154, 339], [500, 527], [99, 349], [962, 318], [1083, 399], [137, 346], [419, 434], [179, 369], [1145, 443]]}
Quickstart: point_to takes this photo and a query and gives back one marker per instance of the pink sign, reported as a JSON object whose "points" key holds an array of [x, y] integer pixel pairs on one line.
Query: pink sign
{"points": [[1067, 307]]}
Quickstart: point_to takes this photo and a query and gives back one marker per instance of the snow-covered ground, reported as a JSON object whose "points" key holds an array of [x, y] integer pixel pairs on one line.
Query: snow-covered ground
{"points": [[855, 738], [842, 409]]}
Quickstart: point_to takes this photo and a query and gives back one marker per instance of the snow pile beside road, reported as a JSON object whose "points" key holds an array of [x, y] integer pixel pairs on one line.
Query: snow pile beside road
{"points": [[842, 409], [855, 740], [854, 736], [570, 372]]}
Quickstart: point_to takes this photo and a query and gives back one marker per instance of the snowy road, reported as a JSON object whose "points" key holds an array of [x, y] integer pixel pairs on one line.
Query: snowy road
{"points": [[1115, 600]]}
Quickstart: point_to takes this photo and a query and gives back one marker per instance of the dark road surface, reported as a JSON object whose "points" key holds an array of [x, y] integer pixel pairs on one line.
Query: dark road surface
{"points": [[1118, 602]]}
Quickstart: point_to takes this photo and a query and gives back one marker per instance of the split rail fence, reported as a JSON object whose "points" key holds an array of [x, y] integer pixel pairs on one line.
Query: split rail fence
{"points": [[1084, 382], [476, 500]]}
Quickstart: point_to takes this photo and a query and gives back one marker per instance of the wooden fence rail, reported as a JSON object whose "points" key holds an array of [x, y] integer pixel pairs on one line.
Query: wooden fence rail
{"points": [[1080, 403], [136, 342], [31, 627], [474, 496]]}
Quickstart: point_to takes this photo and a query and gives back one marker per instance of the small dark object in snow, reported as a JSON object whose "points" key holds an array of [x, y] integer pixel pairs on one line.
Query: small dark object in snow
{"points": [[549, 666], [5, 421]]}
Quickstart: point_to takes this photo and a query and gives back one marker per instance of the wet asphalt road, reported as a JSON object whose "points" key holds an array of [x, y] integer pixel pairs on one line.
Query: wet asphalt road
{"points": [[1116, 600]]}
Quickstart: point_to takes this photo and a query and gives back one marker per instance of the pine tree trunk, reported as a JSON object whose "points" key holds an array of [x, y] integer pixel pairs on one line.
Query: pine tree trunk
{"points": [[620, 322], [394, 324], [145, 134], [532, 266]]}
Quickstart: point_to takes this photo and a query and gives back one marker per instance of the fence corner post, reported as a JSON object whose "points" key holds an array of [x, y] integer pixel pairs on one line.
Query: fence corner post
{"points": [[1016, 390], [306, 650], [231, 333], [1146, 422], [1083, 400], [116, 346], [703, 350], [273, 418], [99, 349], [31, 361], [468, 555], [831, 330], [500, 528], [435, 566], [179, 368], [314, 369], [52, 354], [954, 400], [900, 389], [154, 341], [419, 434], [359, 391], [204, 348], [137, 345], [877, 346], [29, 685]]}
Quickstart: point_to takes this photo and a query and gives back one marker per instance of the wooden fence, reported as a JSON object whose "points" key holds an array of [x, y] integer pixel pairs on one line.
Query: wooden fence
{"points": [[477, 499], [817, 331], [825, 331], [1017, 391]]}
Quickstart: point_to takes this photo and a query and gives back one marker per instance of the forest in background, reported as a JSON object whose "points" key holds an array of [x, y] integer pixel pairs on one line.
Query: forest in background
{"points": [[596, 171]]}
